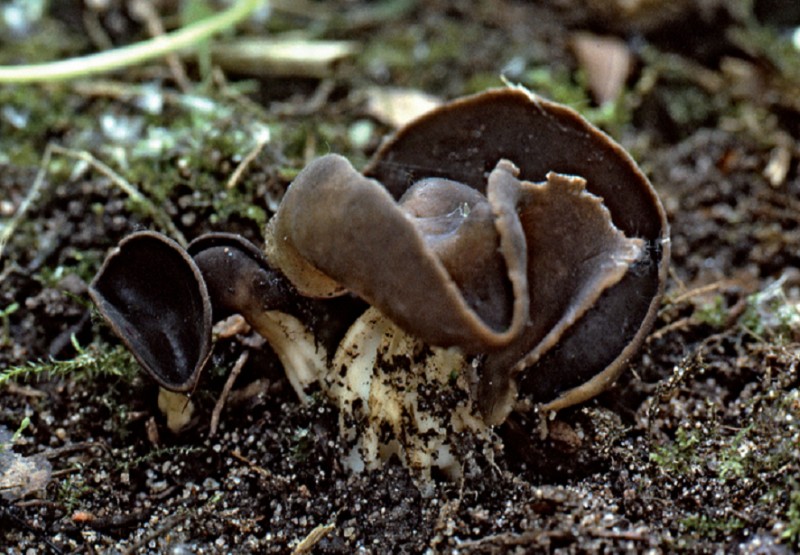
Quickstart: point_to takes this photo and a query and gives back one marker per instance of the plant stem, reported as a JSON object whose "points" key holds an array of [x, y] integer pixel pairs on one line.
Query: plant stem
{"points": [[93, 64]]}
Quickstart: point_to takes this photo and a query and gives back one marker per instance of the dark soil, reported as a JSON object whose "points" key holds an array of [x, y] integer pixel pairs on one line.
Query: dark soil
{"points": [[696, 448]]}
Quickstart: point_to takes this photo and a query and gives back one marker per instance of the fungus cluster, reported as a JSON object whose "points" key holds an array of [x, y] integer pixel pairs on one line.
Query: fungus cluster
{"points": [[497, 254]]}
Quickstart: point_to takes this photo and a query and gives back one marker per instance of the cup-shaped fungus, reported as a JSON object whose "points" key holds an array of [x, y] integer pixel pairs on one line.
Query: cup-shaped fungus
{"points": [[160, 300], [463, 141], [156, 301], [301, 330], [512, 256]]}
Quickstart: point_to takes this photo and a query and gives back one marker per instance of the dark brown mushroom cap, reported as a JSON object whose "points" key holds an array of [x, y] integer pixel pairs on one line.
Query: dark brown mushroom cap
{"points": [[463, 140], [459, 226], [154, 298], [161, 300], [238, 276], [347, 231], [241, 280]]}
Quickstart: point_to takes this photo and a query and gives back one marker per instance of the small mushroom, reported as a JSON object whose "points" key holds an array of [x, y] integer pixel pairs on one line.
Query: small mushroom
{"points": [[159, 299], [302, 331], [154, 298], [239, 280]]}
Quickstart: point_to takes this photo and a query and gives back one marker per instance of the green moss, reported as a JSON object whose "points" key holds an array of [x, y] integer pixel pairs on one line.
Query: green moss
{"points": [[175, 452], [22, 427], [164, 144], [47, 40], [687, 105], [71, 491], [5, 323], [301, 444], [421, 57], [556, 83], [392, 51], [714, 312], [187, 155], [771, 46], [735, 460], [560, 85], [791, 532], [680, 94], [481, 81], [30, 116], [84, 264], [757, 463], [679, 456], [90, 363], [448, 43]]}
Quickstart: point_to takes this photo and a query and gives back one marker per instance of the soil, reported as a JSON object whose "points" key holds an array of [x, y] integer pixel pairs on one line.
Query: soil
{"points": [[695, 449]]}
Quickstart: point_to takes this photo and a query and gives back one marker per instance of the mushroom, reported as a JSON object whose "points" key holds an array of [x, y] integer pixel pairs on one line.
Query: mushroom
{"points": [[462, 141], [161, 299], [240, 280], [511, 254], [152, 295]]}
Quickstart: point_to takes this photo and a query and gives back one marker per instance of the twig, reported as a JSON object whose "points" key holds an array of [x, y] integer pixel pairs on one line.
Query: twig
{"points": [[95, 31], [28, 503], [698, 291], [619, 535], [64, 472], [109, 522], [24, 390], [160, 217], [237, 368], [61, 452], [507, 539], [260, 469], [119, 58], [681, 323], [244, 164], [38, 183], [312, 539], [118, 90], [281, 57]]}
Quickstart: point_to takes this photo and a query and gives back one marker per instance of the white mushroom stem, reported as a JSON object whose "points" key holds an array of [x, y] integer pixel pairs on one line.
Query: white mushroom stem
{"points": [[177, 407], [303, 359], [397, 396]]}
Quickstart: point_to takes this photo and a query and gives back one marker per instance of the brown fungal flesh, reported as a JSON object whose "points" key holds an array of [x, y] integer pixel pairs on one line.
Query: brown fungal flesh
{"points": [[154, 298], [240, 280], [238, 277], [348, 231], [576, 255], [463, 140]]}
